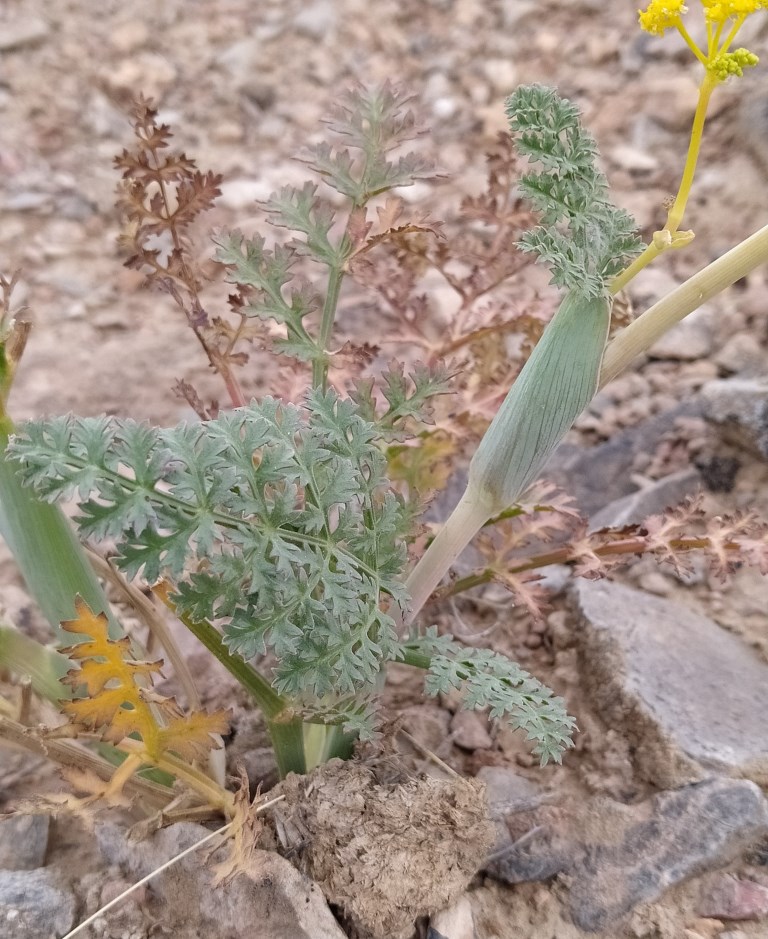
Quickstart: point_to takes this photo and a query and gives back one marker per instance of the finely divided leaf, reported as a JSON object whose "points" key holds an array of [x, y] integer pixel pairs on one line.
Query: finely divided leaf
{"points": [[489, 680], [275, 520], [584, 239]]}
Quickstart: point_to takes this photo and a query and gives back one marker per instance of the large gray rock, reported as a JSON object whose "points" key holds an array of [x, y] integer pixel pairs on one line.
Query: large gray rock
{"points": [[23, 842], [273, 898], [739, 406], [34, 906], [618, 856], [641, 851], [688, 696]]}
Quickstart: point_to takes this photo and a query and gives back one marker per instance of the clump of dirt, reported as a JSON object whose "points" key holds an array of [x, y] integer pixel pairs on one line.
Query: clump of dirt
{"points": [[385, 847]]}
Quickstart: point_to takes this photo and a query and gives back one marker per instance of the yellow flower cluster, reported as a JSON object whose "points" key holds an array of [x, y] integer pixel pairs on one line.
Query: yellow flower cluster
{"points": [[662, 15], [718, 11]]}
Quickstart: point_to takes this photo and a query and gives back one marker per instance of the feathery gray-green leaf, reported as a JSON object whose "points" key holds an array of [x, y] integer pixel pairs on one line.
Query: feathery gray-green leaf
{"points": [[583, 238]]}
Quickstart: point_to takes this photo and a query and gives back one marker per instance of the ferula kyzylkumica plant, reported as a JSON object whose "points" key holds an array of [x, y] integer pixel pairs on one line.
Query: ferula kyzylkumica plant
{"points": [[273, 528]]}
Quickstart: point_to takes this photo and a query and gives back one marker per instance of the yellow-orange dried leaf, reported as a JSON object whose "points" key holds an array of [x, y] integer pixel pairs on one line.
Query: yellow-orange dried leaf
{"points": [[118, 707], [191, 735]]}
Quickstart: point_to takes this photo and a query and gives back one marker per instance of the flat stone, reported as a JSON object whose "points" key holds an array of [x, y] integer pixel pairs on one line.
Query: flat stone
{"points": [[618, 856], [660, 495], [688, 696], [639, 852], [739, 407], [273, 897], [724, 896], [692, 338], [23, 842], [22, 32], [470, 731], [34, 906]]}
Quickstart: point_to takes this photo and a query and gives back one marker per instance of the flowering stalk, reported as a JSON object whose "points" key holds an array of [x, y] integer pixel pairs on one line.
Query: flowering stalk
{"points": [[719, 64]]}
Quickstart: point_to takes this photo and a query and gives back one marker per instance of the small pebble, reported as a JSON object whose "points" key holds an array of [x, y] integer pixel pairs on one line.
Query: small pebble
{"points": [[470, 731]]}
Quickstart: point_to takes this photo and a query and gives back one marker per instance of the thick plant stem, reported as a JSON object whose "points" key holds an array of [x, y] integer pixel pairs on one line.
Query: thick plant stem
{"points": [[323, 742], [465, 522], [285, 730], [704, 285]]}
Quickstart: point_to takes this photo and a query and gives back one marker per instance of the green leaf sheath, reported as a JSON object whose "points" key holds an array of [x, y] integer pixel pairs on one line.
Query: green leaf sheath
{"points": [[557, 382], [45, 548], [273, 519], [583, 238]]}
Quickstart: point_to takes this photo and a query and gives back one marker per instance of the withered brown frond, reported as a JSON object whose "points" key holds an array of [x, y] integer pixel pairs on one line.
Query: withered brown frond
{"points": [[159, 196], [726, 541]]}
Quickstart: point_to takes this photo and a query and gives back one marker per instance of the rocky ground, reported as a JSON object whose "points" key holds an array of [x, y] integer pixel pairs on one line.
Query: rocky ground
{"points": [[655, 826]]}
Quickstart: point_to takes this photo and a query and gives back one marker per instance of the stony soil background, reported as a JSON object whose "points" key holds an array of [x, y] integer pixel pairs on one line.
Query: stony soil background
{"points": [[246, 86]]}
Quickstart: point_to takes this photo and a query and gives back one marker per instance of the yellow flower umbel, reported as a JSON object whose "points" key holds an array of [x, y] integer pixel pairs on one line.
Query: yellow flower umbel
{"points": [[723, 18]]}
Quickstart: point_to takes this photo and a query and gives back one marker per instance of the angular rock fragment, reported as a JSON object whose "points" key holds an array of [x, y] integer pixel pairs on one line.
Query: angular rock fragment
{"points": [[33, 905], [23, 842], [739, 406], [272, 897], [618, 856], [689, 697], [659, 843]]}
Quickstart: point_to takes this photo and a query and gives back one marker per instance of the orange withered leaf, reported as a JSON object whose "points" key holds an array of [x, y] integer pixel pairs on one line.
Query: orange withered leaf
{"points": [[190, 736], [119, 701]]}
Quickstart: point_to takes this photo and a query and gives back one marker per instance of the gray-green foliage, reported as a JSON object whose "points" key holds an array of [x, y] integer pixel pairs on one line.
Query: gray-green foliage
{"points": [[583, 238], [368, 124], [489, 680], [276, 521]]}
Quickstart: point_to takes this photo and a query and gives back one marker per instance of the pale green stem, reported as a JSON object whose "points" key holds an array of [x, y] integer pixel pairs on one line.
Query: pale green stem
{"points": [[465, 522], [322, 742], [700, 288], [320, 365], [285, 730]]}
